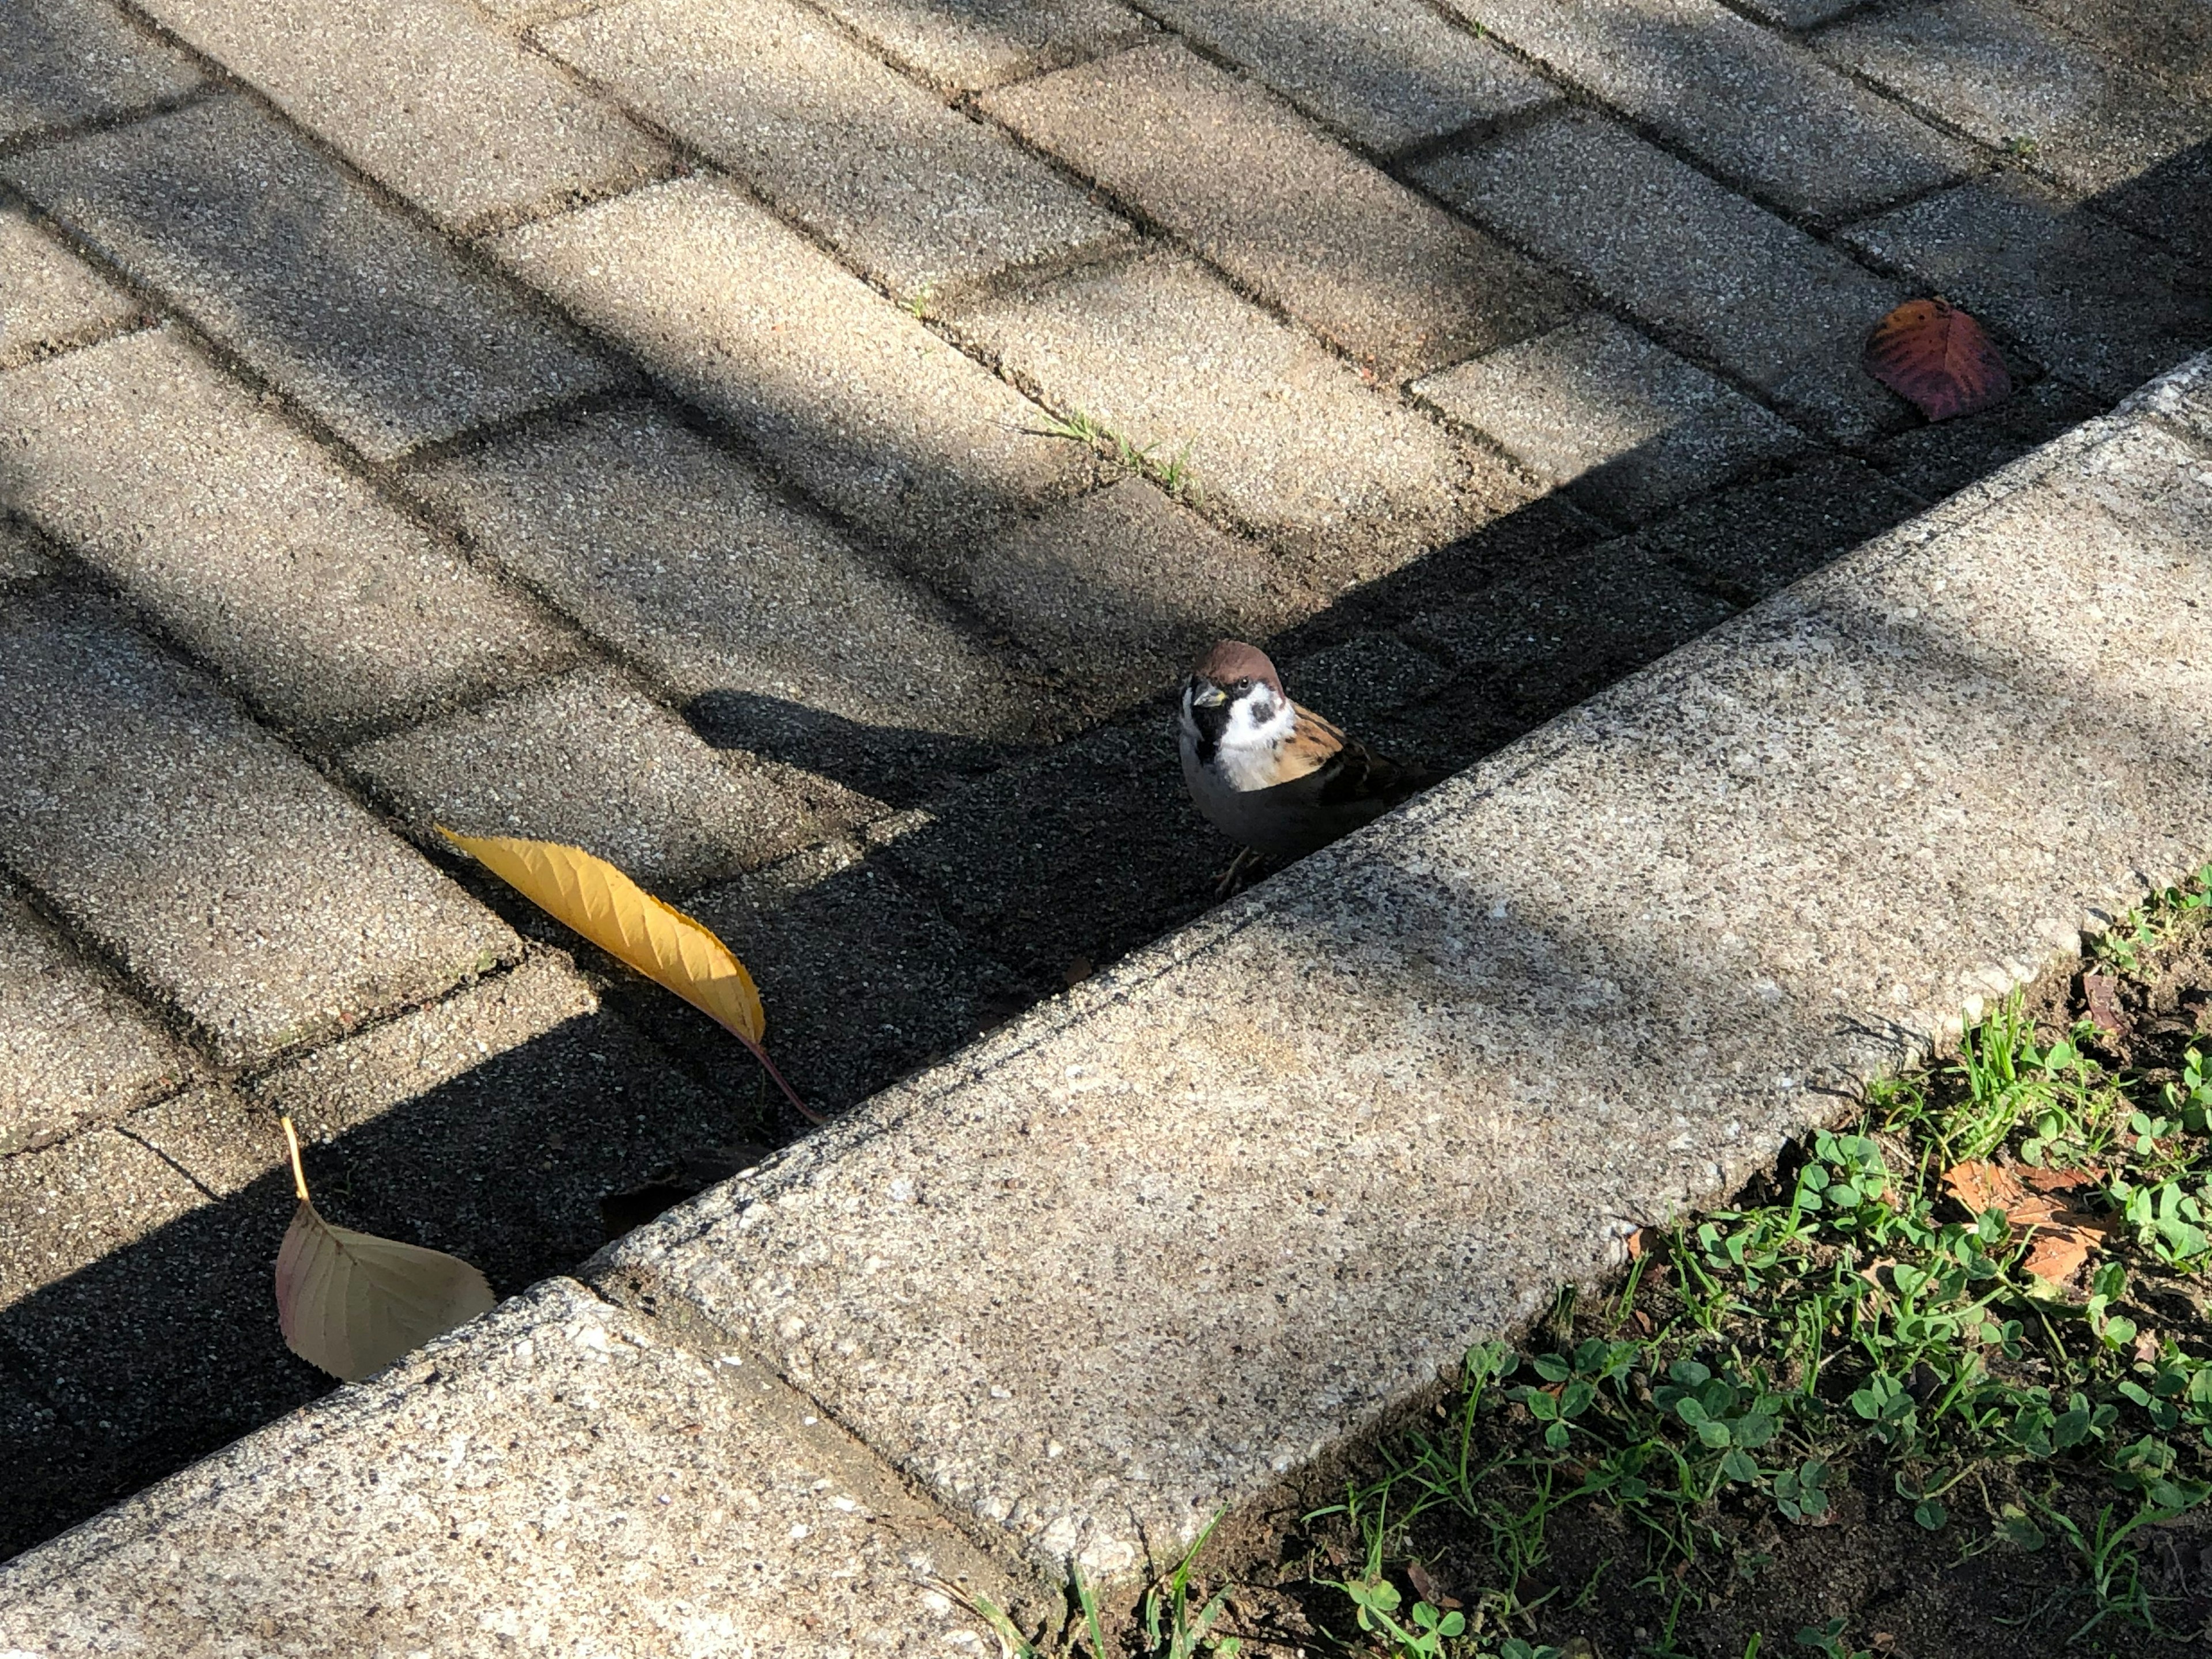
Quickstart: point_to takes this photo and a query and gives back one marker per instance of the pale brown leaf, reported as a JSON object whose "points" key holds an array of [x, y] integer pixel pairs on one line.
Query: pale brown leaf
{"points": [[351, 1302], [2059, 1180]]}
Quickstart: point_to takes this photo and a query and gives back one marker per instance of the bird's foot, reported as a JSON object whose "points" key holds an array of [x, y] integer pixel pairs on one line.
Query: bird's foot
{"points": [[1234, 878]]}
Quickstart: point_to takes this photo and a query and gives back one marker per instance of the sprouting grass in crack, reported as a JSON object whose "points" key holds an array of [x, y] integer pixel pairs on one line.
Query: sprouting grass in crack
{"points": [[1865, 1330], [1173, 475]]}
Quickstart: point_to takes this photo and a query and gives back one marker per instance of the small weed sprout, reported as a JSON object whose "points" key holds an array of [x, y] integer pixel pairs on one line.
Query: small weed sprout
{"points": [[1173, 475]]}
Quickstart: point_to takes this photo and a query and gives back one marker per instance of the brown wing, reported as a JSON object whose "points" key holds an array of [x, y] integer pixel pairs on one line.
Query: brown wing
{"points": [[1345, 771]]}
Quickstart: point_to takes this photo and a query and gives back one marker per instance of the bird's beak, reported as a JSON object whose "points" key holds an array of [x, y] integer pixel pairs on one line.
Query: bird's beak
{"points": [[1208, 696]]}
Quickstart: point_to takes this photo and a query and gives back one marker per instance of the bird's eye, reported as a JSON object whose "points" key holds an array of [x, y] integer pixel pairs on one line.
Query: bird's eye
{"points": [[1243, 685]]}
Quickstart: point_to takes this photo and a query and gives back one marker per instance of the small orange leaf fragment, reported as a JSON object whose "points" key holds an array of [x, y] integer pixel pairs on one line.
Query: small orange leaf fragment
{"points": [[1938, 358], [1980, 1185], [677, 952], [2059, 1250]]}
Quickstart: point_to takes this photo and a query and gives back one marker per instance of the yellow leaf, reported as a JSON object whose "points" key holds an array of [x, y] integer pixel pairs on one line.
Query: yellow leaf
{"points": [[352, 1302], [612, 911]]}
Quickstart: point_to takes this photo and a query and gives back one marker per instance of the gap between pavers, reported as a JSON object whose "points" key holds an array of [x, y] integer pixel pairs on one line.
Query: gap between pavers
{"points": [[1236, 1202]]}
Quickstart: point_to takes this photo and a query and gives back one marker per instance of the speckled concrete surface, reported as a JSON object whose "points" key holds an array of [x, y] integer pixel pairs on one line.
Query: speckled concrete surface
{"points": [[587, 759], [251, 544], [492, 131], [1627, 426], [1389, 74], [967, 44], [919, 196], [1120, 591], [772, 629], [75, 1050], [48, 296], [1274, 429], [1384, 273], [1750, 106], [69, 1204], [1561, 996], [370, 321], [2011, 78], [218, 867], [1740, 287], [24, 555], [73, 60], [662, 1502], [738, 312]]}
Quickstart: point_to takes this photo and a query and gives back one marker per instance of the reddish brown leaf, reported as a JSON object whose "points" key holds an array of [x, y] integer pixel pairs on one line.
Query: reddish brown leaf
{"points": [[2060, 1180], [1633, 1245], [1937, 356]]}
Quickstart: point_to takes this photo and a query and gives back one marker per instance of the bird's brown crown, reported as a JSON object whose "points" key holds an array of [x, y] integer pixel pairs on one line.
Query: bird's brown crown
{"points": [[1231, 660]]}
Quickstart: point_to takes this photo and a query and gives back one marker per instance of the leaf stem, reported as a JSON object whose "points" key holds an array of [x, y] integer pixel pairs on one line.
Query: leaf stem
{"points": [[292, 1146], [761, 1054]]}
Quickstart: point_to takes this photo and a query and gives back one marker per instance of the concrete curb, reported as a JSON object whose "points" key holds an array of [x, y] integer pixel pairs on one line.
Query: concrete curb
{"points": [[1234, 1203]]}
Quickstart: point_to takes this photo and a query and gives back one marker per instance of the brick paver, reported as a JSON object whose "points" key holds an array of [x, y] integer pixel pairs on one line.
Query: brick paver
{"points": [[1749, 104], [770, 626], [372, 322], [1120, 591], [841, 1021], [1744, 543], [2096, 301], [1707, 269], [586, 759], [75, 1050], [216, 867], [1272, 428], [1371, 265], [489, 130], [2013, 80], [50, 298], [1387, 72], [313, 594], [1625, 426], [23, 556], [740, 314], [68, 61], [917, 195], [2168, 39], [69, 1204], [968, 44]]}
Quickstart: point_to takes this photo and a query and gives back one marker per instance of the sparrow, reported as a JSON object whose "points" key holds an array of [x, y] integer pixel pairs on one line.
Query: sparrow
{"points": [[1270, 773]]}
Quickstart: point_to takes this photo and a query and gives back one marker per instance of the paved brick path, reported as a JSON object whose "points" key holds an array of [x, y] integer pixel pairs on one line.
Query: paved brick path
{"points": [[641, 425]]}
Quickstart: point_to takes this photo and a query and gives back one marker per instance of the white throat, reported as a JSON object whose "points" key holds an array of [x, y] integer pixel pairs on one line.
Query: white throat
{"points": [[1259, 725]]}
